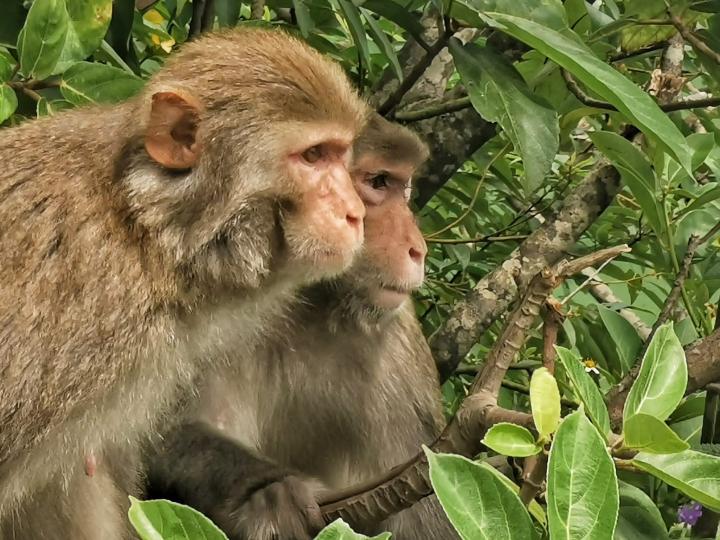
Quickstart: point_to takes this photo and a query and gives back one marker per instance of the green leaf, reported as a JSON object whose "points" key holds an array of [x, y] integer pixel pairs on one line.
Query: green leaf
{"points": [[398, 14], [624, 336], [7, 65], [8, 102], [339, 530], [661, 383], [499, 94], [302, 15], [480, 506], [165, 520], [88, 23], [544, 401], [511, 440], [585, 389], [694, 473], [639, 517], [582, 484], [646, 433], [703, 200], [41, 40], [636, 173], [90, 82], [382, 42], [352, 15], [48, 108], [228, 12], [534, 508], [567, 50]]}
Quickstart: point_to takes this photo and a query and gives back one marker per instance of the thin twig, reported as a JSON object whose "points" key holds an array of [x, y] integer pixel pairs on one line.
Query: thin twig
{"points": [[469, 207], [679, 105], [624, 55], [436, 109], [477, 239], [672, 298], [693, 39]]}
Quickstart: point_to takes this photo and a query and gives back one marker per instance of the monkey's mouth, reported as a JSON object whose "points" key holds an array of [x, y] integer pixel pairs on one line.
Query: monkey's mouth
{"points": [[389, 296]]}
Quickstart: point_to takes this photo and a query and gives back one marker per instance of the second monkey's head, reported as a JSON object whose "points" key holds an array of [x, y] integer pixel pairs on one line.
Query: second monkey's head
{"points": [[392, 262], [241, 166]]}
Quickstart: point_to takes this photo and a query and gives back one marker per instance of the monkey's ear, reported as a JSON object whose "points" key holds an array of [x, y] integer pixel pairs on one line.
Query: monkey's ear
{"points": [[170, 138]]}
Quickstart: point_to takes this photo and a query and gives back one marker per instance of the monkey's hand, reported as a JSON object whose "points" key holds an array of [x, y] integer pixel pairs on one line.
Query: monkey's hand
{"points": [[286, 509]]}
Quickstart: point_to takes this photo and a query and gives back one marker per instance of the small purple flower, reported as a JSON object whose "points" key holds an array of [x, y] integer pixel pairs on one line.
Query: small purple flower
{"points": [[690, 513]]}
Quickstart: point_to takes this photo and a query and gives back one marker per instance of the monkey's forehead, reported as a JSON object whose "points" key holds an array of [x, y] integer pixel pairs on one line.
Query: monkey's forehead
{"points": [[264, 70]]}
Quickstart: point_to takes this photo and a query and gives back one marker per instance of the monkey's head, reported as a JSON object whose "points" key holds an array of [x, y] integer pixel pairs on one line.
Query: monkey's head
{"points": [[392, 262], [244, 143]]}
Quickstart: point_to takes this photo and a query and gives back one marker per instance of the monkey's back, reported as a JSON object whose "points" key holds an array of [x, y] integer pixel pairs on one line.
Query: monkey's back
{"points": [[67, 277]]}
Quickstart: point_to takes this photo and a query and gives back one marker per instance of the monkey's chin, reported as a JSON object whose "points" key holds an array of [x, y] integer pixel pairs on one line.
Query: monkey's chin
{"points": [[388, 298]]}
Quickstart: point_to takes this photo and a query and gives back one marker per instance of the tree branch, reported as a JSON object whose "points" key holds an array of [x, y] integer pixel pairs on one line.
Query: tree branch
{"points": [[493, 294]]}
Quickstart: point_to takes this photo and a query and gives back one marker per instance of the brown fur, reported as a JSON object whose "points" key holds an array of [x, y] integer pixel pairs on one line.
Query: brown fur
{"points": [[343, 391], [120, 277]]}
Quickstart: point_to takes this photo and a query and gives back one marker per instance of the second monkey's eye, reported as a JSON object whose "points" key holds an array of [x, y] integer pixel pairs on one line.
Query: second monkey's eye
{"points": [[379, 181], [313, 154]]}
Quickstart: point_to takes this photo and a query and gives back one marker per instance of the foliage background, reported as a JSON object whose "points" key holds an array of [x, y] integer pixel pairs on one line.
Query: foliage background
{"points": [[509, 188]]}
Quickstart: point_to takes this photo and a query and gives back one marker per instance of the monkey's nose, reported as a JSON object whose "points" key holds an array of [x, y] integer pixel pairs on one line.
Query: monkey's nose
{"points": [[354, 221], [416, 255]]}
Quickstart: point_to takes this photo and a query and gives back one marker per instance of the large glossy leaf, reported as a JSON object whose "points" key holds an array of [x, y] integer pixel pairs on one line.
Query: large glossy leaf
{"points": [[646, 433], [339, 530], [624, 336], [165, 520], [636, 174], [88, 24], [88, 82], [661, 383], [550, 13], [500, 94], [585, 389], [479, 506], [639, 517], [42, 38], [582, 485], [8, 102], [511, 440], [567, 50], [694, 473], [544, 401]]}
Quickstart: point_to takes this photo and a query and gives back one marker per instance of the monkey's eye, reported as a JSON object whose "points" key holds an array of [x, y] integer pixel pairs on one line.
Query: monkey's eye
{"points": [[313, 154], [379, 181]]}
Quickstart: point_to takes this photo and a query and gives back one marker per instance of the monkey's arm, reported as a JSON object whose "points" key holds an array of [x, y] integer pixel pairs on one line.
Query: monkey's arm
{"points": [[239, 490]]}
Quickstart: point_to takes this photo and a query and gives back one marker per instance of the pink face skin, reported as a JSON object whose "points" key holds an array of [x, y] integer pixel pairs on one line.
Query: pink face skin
{"points": [[394, 246]]}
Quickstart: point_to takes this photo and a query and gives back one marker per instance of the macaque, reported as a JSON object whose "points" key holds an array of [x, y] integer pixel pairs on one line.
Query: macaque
{"points": [[143, 240], [345, 390]]}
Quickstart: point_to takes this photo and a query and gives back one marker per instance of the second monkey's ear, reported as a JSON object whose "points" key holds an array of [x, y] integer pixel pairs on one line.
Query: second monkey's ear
{"points": [[170, 138]]}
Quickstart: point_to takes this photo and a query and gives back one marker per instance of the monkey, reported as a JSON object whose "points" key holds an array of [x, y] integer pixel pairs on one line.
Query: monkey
{"points": [[142, 240], [344, 390]]}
